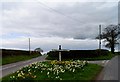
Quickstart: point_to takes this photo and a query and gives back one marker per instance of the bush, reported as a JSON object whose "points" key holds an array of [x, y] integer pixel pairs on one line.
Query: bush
{"points": [[117, 53], [76, 54]]}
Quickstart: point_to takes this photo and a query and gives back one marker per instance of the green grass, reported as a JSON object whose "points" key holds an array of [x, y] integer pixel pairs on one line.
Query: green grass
{"points": [[14, 58], [50, 58], [88, 72]]}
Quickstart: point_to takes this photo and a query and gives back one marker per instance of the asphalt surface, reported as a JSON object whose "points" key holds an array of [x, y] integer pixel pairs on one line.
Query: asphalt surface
{"points": [[110, 70], [11, 68]]}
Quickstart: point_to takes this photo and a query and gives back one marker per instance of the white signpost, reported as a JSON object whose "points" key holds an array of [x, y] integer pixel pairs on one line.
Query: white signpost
{"points": [[59, 56], [60, 51]]}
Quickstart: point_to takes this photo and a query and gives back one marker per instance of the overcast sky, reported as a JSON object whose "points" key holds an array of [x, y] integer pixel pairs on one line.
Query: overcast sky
{"points": [[73, 24]]}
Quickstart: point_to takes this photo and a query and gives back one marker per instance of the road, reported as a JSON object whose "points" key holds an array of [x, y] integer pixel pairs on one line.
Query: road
{"points": [[10, 68], [110, 71]]}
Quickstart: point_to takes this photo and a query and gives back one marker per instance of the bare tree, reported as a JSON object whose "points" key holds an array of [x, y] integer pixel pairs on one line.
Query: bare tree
{"points": [[111, 36]]}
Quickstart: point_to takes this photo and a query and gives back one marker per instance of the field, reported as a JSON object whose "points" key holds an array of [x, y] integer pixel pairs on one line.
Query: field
{"points": [[55, 70], [11, 56], [12, 59]]}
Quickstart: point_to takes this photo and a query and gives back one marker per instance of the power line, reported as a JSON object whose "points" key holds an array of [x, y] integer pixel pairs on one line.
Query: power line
{"points": [[58, 11]]}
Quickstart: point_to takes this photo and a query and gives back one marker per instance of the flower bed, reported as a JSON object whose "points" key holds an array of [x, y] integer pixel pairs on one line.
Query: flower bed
{"points": [[53, 70]]}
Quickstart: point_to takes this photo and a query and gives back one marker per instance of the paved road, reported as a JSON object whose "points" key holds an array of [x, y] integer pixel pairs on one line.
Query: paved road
{"points": [[10, 68], [110, 71]]}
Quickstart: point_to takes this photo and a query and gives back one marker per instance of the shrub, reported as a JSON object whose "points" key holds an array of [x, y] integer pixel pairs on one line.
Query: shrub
{"points": [[76, 54]]}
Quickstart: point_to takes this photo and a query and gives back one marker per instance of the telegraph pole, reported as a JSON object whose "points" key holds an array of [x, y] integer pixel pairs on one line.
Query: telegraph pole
{"points": [[118, 46], [99, 37], [29, 46]]}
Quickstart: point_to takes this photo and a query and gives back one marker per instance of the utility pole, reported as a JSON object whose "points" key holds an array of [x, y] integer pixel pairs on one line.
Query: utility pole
{"points": [[29, 46], [118, 47], [99, 37]]}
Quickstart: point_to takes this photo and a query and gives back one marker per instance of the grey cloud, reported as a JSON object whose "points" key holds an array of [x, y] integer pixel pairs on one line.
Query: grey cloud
{"points": [[39, 21]]}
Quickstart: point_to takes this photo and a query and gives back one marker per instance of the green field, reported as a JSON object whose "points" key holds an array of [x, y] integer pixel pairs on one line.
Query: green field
{"points": [[15, 58], [55, 70], [11, 56]]}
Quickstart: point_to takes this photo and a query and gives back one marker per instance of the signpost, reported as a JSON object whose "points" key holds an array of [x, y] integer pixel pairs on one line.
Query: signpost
{"points": [[59, 52]]}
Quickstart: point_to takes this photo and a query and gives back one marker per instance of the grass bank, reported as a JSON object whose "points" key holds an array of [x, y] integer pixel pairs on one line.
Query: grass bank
{"points": [[15, 58], [65, 70]]}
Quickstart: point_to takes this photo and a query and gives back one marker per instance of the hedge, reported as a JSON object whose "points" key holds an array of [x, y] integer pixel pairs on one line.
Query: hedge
{"points": [[8, 52], [76, 54]]}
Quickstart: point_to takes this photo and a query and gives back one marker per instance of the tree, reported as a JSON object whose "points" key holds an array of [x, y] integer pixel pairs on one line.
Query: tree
{"points": [[111, 35], [38, 50]]}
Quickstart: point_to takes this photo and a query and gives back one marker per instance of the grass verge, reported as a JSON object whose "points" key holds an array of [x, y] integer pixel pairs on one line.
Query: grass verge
{"points": [[14, 58], [88, 72]]}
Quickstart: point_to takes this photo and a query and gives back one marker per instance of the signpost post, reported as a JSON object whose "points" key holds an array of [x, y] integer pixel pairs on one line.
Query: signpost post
{"points": [[59, 52]]}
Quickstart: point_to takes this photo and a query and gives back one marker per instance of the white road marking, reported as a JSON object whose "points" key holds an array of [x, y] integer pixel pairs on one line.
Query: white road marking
{"points": [[8, 67], [36, 58], [106, 62], [24, 62], [27, 61], [103, 61]]}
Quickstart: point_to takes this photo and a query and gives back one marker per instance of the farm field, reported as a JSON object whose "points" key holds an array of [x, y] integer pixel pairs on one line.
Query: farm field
{"points": [[13, 59], [12, 56], [55, 70]]}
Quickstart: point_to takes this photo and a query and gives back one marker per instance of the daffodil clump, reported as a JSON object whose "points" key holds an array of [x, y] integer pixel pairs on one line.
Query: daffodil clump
{"points": [[52, 70]]}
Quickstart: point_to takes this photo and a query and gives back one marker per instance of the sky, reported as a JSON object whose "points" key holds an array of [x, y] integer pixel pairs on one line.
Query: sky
{"points": [[49, 23]]}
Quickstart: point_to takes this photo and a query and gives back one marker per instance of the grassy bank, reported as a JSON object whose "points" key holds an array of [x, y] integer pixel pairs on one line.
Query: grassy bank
{"points": [[15, 58], [65, 70]]}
